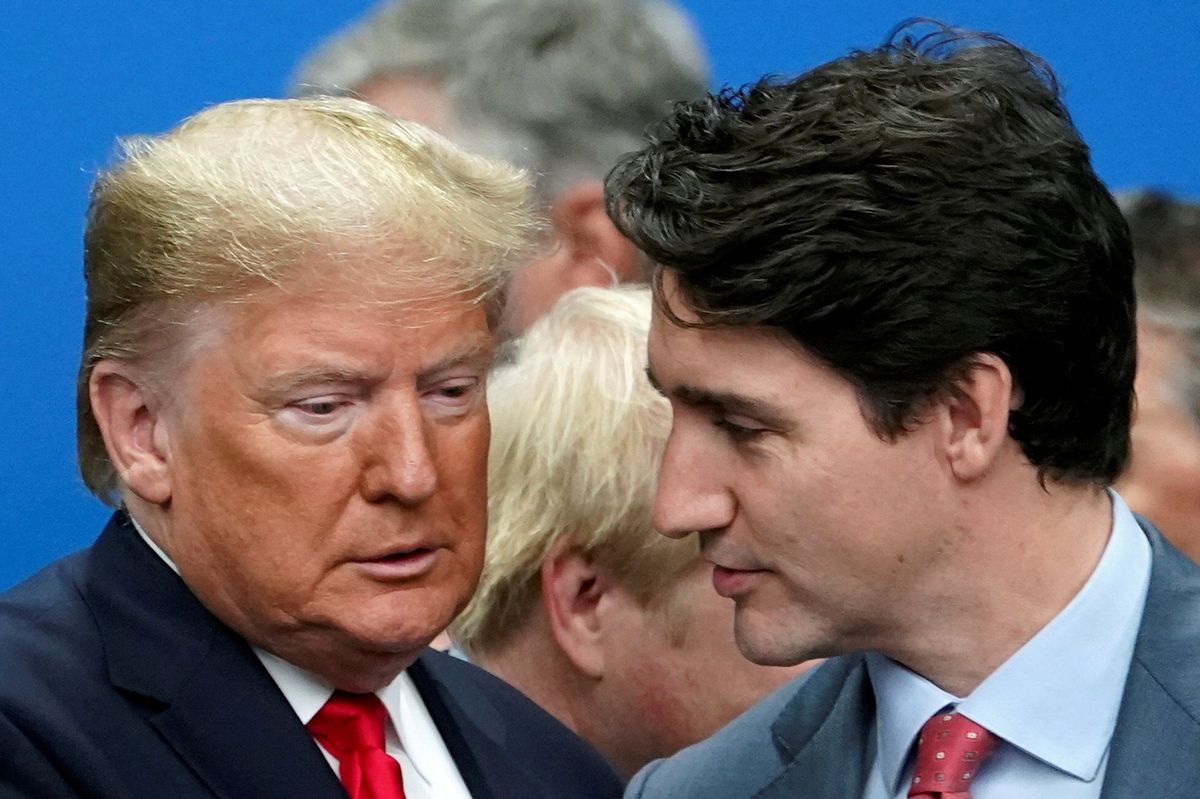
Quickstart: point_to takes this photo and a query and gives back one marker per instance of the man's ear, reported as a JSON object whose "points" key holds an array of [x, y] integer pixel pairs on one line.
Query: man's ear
{"points": [[975, 420], [572, 591], [599, 254], [134, 431]]}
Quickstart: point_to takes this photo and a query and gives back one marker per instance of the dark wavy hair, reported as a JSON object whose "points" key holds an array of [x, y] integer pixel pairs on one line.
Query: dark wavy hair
{"points": [[897, 212]]}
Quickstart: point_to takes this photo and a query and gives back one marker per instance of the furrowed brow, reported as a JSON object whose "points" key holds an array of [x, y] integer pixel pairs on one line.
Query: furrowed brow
{"points": [[478, 351]]}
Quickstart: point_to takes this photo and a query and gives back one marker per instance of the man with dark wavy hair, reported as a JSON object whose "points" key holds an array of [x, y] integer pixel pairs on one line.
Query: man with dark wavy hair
{"points": [[896, 326]]}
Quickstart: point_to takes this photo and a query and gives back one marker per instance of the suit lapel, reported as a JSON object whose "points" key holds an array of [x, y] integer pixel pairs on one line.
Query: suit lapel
{"points": [[824, 735], [199, 684], [235, 729], [1155, 750], [474, 738]]}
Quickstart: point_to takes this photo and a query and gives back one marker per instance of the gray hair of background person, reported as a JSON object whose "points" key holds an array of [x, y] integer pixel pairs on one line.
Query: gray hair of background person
{"points": [[1166, 250], [562, 87], [209, 213], [574, 415]]}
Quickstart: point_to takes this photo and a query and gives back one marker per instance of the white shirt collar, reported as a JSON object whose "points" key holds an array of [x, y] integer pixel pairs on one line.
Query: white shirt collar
{"points": [[307, 694], [155, 547], [1057, 697]]}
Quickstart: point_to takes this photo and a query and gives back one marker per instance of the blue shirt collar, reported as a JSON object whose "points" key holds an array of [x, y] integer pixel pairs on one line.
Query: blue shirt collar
{"points": [[1057, 697]]}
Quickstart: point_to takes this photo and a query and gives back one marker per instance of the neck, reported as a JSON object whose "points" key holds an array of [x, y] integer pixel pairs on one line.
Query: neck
{"points": [[345, 668], [1015, 561], [528, 661]]}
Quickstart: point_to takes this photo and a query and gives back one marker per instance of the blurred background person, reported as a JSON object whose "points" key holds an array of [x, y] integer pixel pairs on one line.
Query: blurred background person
{"points": [[560, 87], [1163, 479], [611, 627]]}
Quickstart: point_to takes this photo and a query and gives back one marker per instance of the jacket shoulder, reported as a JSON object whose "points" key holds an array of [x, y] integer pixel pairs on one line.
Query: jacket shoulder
{"points": [[41, 620], [549, 753], [737, 761]]}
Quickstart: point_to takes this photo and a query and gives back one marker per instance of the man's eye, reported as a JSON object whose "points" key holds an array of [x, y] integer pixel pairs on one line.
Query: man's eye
{"points": [[736, 431], [320, 407], [455, 391]]}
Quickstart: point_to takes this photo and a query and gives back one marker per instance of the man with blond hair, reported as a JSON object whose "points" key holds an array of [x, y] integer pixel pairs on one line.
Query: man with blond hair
{"points": [[289, 324], [613, 629]]}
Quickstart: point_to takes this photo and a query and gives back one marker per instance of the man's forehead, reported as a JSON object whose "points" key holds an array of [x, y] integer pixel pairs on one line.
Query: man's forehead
{"points": [[363, 282], [677, 333]]}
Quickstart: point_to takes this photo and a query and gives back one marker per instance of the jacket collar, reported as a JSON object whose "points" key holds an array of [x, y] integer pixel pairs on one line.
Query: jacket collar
{"points": [[1156, 748], [195, 680], [825, 744], [823, 734]]}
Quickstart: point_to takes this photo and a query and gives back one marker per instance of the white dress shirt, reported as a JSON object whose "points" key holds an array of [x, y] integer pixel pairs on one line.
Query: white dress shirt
{"points": [[411, 737], [1053, 703]]}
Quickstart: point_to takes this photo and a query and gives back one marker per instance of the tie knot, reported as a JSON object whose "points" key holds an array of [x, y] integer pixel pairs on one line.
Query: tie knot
{"points": [[950, 749], [349, 723]]}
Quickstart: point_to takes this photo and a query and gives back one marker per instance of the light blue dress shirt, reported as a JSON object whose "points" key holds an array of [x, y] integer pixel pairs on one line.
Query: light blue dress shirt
{"points": [[1053, 703]]}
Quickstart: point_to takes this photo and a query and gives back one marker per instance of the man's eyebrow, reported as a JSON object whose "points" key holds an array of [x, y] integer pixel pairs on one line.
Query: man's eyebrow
{"points": [[728, 402], [315, 375], [477, 350]]}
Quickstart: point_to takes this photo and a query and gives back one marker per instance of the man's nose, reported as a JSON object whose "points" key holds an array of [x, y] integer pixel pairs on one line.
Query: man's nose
{"points": [[691, 496], [399, 458]]}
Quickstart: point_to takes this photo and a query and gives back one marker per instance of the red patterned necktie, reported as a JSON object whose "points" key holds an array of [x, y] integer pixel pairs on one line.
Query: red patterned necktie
{"points": [[950, 750], [350, 726]]}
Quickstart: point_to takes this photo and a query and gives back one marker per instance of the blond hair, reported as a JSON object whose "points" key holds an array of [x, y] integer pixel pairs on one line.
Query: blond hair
{"points": [[577, 433], [243, 194]]}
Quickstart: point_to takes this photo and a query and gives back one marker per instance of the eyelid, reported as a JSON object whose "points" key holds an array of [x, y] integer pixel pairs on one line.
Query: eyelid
{"points": [[738, 427], [324, 399], [455, 391], [303, 406]]}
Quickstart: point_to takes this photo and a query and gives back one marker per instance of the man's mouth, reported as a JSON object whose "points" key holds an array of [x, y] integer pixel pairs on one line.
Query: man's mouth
{"points": [[730, 583], [404, 564]]}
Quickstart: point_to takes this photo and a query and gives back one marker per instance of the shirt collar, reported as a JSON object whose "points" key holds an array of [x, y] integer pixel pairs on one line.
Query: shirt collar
{"points": [[1057, 697], [153, 546], [307, 694]]}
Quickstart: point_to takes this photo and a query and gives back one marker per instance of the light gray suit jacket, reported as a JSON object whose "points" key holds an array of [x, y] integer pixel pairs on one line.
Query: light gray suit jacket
{"points": [[811, 739]]}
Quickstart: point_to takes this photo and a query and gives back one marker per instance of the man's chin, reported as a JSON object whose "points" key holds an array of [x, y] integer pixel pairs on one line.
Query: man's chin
{"points": [[771, 648], [400, 633]]}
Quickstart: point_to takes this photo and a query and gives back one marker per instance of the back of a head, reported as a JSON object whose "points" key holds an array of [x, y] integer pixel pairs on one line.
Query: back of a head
{"points": [[897, 211], [1163, 479], [400, 36], [562, 87], [577, 432], [1166, 250]]}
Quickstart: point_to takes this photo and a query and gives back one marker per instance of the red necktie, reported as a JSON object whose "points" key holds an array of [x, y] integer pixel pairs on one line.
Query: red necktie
{"points": [[950, 750], [350, 726]]}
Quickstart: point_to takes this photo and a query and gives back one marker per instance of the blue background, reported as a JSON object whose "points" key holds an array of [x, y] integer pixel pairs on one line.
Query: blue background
{"points": [[77, 74]]}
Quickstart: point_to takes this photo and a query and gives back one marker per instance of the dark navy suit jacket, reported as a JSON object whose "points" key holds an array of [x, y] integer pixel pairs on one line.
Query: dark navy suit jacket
{"points": [[116, 682], [812, 738]]}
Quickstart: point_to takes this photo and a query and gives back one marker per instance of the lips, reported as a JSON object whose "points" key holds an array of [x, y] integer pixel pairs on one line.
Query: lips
{"points": [[403, 564], [730, 583]]}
